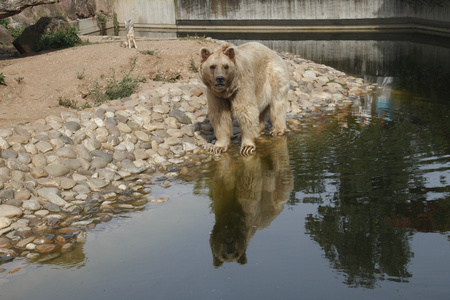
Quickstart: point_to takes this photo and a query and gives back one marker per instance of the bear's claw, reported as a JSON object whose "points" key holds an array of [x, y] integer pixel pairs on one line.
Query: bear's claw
{"points": [[247, 150], [217, 149]]}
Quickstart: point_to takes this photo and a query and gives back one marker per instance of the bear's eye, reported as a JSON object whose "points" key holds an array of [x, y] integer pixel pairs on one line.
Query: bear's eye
{"points": [[226, 67], [212, 67]]}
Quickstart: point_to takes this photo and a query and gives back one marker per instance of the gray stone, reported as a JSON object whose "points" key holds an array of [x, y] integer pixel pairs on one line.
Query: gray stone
{"points": [[4, 222], [7, 194], [31, 205], [15, 164], [180, 116], [56, 170], [66, 152], [97, 184], [52, 207], [8, 153], [24, 158], [72, 126], [98, 153], [38, 172], [51, 194], [10, 211], [67, 140], [39, 160], [172, 141], [71, 163], [99, 162], [91, 144], [44, 146]]}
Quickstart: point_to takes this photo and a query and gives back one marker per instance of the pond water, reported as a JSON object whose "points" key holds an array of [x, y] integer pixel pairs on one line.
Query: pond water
{"points": [[355, 205]]}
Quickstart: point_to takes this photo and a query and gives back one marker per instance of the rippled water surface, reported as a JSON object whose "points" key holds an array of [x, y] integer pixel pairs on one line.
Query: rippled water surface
{"points": [[351, 206]]}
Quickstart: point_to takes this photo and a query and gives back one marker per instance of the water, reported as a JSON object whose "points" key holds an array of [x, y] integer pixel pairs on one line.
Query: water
{"points": [[355, 205]]}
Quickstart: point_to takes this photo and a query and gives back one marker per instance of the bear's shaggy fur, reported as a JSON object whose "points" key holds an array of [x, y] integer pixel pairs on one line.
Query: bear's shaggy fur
{"points": [[244, 82]]}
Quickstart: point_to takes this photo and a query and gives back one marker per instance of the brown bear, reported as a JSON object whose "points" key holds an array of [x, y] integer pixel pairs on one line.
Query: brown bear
{"points": [[244, 82]]}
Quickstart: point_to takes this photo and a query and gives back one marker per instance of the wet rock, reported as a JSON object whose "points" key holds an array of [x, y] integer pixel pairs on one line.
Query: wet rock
{"points": [[7, 254], [46, 248], [51, 194], [5, 242]]}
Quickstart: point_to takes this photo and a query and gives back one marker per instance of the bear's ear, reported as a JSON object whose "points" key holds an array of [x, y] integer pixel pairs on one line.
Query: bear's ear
{"points": [[204, 54], [230, 52]]}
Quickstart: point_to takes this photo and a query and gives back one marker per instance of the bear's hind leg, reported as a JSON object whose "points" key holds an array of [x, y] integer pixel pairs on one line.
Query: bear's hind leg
{"points": [[262, 119]]}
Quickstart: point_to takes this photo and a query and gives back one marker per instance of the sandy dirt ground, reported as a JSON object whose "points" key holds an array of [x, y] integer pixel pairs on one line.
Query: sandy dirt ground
{"points": [[36, 84]]}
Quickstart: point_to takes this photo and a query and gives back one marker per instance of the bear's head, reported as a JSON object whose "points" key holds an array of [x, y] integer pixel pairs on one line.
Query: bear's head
{"points": [[218, 70]]}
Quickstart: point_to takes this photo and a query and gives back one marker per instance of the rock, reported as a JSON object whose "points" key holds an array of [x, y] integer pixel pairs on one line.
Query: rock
{"points": [[180, 116], [56, 170], [5, 36], [97, 184], [31, 205], [5, 242], [46, 248], [97, 153], [4, 222], [22, 195], [67, 152], [51, 194], [8, 153], [13, 7], [10, 211], [27, 42], [6, 194], [7, 254]]}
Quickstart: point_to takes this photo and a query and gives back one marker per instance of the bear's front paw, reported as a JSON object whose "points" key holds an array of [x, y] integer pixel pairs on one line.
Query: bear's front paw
{"points": [[217, 149], [247, 150], [277, 132]]}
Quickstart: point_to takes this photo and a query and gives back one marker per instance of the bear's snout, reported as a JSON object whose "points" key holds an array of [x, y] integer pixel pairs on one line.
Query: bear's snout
{"points": [[220, 80]]}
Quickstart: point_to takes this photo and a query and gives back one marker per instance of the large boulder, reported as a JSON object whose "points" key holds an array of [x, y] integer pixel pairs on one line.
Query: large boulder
{"points": [[27, 42], [5, 36], [12, 7]]}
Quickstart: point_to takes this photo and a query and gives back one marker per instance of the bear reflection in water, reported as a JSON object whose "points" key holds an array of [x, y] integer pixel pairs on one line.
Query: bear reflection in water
{"points": [[248, 195]]}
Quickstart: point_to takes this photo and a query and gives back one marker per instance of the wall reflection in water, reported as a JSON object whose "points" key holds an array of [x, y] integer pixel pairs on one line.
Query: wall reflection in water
{"points": [[248, 194]]}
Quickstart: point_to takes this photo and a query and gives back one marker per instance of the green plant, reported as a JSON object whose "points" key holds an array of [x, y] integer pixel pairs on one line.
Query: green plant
{"points": [[5, 22], [193, 67], [116, 88], [69, 103], [63, 37], [101, 23], [2, 79], [171, 78], [147, 52], [16, 32], [116, 25], [19, 79], [81, 75]]}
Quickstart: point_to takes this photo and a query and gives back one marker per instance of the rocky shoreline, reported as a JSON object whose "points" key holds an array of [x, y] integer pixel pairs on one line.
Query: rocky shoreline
{"points": [[64, 174]]}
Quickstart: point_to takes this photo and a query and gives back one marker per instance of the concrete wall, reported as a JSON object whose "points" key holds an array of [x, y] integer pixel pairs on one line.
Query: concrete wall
{"points": [[161, 12], [304, 10], [182, 15]]}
